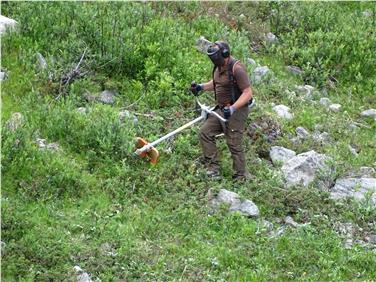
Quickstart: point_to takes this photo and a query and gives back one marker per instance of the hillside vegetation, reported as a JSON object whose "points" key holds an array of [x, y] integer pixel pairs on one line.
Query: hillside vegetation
{"points": [[87, 78]]}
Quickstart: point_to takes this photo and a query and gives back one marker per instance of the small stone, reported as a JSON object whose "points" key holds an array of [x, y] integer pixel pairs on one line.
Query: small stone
{"points": [[290, 221], [283, 112], [259, 74], [42, 61], [53, 147], [3, 75], [335, 107], [372, 239], [348, 243], [302, 133], [202, 44], [266, 225], [81, 110], [325, 102], [271, 38], [126, 115], [81, 275], [346, 229], [295, 70], [279, 232], [321, 137], [236, 204], [107, 97], [367, 13], [306, 90], [353, 150], [369, 113], [41, 143]]}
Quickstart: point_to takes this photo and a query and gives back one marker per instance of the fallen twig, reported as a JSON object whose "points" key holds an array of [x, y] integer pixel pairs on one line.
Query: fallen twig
{"points": [[65, 80]]}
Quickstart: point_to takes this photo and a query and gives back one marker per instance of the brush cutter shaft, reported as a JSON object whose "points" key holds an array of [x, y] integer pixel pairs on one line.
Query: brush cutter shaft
{"points": [[147, 147], [205, 110]]}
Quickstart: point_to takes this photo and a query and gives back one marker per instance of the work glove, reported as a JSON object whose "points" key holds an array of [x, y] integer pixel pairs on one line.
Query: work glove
{"points": [[195, 88], [228, 112]]}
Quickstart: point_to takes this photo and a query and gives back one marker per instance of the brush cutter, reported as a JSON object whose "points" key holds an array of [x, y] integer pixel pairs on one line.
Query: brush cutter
{"points": [[146, 149]]}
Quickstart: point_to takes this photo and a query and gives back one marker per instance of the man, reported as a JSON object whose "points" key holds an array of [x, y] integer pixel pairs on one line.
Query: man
{"points": [[233, 92]]}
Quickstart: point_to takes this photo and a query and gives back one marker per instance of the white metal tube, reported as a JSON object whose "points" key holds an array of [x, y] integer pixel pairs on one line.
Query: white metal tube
{"points": [[204, 109], [150, 145]]}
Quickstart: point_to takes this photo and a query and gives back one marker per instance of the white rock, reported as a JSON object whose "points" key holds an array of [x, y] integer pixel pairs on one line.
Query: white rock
{"points": [[367, 13], [304, 168], [42, 61], [124, 115], [280, 154], [352, 150], [372, 239], [369, 113], [3, 75], [259, 74], [53, 146], [306, 90], [271, 38], [283, 111], [290, 221], [302, 133], [265, 225], [202, 44], [335, 107], [323, 137], [348, 243], [107, 97], [6, 24], [357, 188], [42, 144], [236, 204], [325, 102], [82, 276], [81, 110]]}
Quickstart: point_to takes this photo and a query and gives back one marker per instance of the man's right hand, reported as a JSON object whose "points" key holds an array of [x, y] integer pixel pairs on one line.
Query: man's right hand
{"points": [[195, 88]]}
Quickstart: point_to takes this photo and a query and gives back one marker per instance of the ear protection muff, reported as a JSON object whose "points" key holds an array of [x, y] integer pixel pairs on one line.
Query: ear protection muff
{"points": [[225, 51]]}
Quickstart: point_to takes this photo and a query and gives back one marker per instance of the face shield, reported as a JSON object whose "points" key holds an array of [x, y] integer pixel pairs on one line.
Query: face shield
{"points": [[215, 55]]}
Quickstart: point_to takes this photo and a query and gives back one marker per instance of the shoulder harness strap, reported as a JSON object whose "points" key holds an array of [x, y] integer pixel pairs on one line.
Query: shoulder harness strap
{"points": [[234, 87]]}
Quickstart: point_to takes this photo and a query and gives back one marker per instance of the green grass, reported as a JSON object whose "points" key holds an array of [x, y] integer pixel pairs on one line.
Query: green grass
{"points": [[96, 205]]}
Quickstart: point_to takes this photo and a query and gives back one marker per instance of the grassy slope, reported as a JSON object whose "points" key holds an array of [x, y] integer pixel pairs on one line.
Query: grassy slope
{"points": [[155, 219]]}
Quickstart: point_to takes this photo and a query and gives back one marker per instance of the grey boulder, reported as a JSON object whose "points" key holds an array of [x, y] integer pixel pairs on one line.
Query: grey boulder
{"points": [[259, 74], [235, 203], [357, 188], [280, 154], [283, 112], [369, 113], [304, 168]]}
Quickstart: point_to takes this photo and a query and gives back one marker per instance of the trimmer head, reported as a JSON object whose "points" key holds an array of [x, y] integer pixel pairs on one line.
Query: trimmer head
{"points": [[152, 154]]}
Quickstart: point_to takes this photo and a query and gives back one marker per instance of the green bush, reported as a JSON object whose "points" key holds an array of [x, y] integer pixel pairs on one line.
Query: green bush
{"points": [[328, 40]]}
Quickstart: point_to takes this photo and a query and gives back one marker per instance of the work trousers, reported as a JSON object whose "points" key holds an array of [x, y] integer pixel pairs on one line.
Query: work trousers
{"points": [[233, 130]]}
